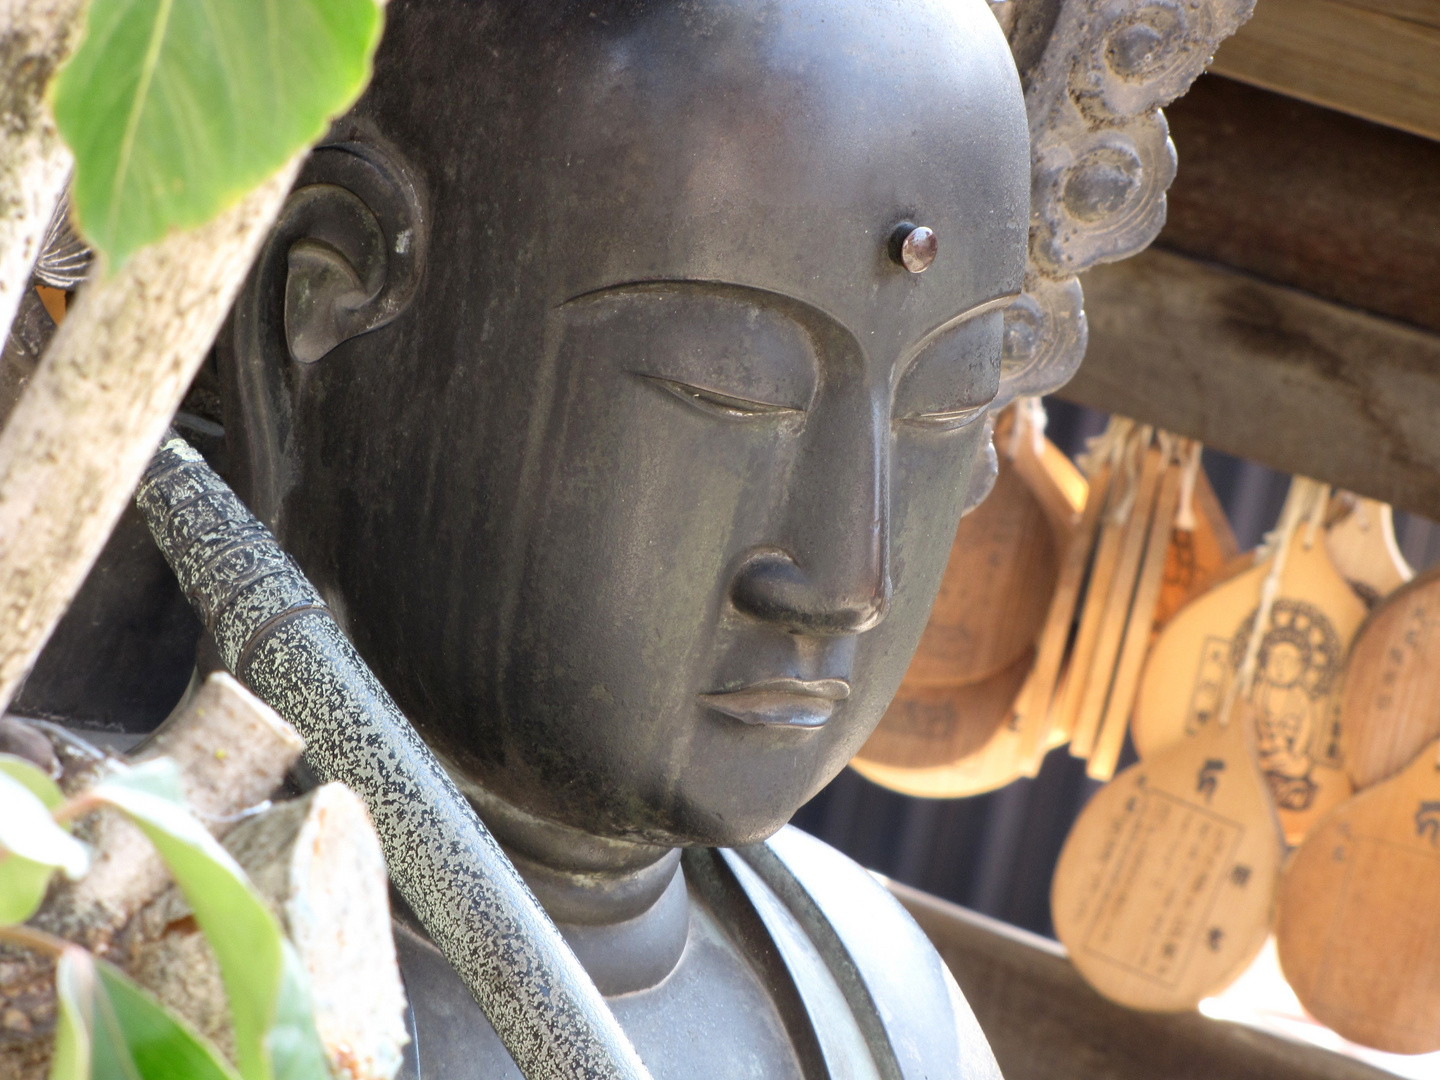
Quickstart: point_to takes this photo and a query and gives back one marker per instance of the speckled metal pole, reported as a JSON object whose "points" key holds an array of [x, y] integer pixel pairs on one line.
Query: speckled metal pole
{"points": [[277, 636]]}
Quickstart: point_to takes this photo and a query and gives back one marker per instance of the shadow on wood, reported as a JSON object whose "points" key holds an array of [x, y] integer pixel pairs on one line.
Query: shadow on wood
{"points": [[1268, 373], [1308, 197]]}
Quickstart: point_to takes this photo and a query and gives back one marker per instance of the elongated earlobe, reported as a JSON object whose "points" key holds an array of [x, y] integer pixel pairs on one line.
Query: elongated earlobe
{"points": [[353, 237], [345, 258], [331, 285]]}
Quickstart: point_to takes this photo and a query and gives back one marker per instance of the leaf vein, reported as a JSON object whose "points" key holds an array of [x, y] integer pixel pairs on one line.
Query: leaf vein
{"points": [[142, 89]]}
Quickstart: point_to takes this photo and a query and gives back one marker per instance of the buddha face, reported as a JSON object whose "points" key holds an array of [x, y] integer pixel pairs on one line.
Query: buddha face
{"points": [[639, 504]]}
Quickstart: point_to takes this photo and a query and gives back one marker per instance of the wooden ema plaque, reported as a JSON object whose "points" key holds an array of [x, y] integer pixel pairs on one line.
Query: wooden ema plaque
{"points": [[1103, 619], [1165, 886], [1359, 923], [1004, 757], [929, 726], [945, 734], [1197, 558], [1360, 539], [1299, 669], [992, 765], [996, 589], [1037, 710], [1390, 707], [1138, 630]]}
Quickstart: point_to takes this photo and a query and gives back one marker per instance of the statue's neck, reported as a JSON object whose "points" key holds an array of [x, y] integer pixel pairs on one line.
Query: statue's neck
{"points": [[622, 906]]}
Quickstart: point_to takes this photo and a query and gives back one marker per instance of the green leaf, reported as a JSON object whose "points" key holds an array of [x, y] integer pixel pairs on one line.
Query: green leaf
{"points": [[295, 1046], [175, 109], [26, 828], [110, 1029], [23, 881], [159, 777], [74, 1000], [275, 1037], [32, 845], [34, 778]]}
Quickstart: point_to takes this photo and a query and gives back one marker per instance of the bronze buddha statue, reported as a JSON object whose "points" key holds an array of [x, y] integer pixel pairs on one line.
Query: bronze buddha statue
{"points": [[616, 372]]}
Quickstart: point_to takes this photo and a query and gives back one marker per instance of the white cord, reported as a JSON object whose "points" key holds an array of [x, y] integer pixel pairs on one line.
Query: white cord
{"points": [[1185, 513]]}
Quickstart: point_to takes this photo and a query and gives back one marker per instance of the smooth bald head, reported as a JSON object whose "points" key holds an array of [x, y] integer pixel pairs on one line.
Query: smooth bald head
{"points": [[636, 492]]}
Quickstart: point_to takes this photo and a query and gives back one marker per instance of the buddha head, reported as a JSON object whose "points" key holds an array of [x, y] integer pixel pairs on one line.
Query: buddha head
{"points": [[618, 370]]}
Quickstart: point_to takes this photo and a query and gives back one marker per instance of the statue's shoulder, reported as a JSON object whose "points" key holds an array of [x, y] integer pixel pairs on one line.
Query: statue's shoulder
{"points": [[905, 1004], [797, 963]]}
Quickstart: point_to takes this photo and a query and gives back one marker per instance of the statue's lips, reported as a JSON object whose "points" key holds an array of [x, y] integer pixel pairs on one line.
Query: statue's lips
{"points": [[802, 703]]}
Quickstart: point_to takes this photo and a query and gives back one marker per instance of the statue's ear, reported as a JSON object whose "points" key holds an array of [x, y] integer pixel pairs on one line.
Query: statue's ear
{"points": [[353, 241], [344, 258]]}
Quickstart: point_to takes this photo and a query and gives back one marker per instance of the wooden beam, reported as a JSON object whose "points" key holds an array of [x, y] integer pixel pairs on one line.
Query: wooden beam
{"points": [[1045, 1023], [1379, 59], [1309, 197], [1266, 372], [1421, 11]]}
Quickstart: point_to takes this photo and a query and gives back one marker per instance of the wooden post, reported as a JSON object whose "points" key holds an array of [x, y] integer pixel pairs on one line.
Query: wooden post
{"points": [[36, 37], [96, 408]]}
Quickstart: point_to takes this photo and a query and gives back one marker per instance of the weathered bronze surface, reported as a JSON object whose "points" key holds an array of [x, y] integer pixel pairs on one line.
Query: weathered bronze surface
{"points": [[580, 379], [650, 419]]}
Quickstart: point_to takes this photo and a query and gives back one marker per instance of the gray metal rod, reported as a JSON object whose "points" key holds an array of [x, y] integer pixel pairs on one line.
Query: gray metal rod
{"points": [[277, 636]]}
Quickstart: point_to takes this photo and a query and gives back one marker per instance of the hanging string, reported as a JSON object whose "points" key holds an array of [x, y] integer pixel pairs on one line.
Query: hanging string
{"points": [[1316, 518], [1029, 418], [1169, 448], [1107, 447], [1185, 512], [1039, 420], [1299, 507], [1362, 515], [1345, 506], [1015, 436], [1129, 456]]}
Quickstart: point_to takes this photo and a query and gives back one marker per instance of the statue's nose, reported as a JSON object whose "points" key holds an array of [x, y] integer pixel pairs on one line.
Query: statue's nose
{"points": [[826, 569], [773, 588]]}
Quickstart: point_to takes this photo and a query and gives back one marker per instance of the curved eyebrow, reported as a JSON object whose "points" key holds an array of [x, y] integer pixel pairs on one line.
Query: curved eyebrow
{"points": [[745, 292], [995, 303], [985, 306]]}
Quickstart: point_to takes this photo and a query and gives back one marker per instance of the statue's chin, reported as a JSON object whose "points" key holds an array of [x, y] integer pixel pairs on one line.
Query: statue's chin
{"points": [[691, 824], [648, 832], [691, 780]]}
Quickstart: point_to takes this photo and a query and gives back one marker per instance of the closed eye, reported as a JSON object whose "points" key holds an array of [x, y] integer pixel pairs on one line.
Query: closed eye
{"points": [[949, 420], [734, 408]]}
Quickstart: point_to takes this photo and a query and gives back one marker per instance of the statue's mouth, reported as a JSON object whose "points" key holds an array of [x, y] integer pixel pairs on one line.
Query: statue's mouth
{"points": [[800, 703]]}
